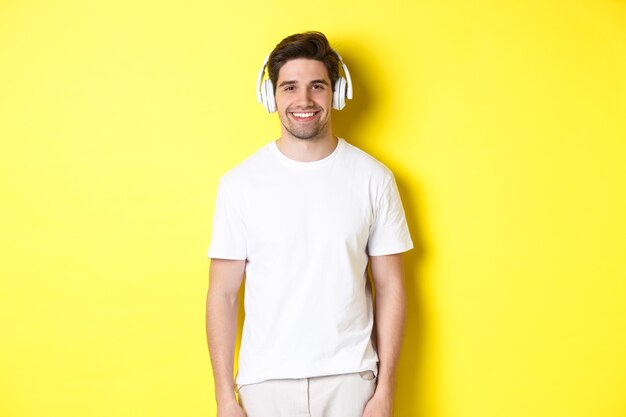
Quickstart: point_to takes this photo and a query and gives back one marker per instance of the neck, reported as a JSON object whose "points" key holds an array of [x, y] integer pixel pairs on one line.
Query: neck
{"points": [[307, 150]]}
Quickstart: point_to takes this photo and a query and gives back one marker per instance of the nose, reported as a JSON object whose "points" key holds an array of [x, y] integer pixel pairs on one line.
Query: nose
{"points": [[305, 98]]}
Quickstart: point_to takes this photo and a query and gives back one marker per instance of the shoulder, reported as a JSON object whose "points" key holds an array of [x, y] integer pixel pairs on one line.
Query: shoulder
{"points": [[363, 163], [247, 169]]}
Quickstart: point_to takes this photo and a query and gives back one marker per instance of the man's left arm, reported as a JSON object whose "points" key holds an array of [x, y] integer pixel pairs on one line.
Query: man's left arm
{"points": [[389, 318]]}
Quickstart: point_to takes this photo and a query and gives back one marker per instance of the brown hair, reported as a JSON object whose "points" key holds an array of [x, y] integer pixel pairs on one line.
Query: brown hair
{"points": [[311, 45]]}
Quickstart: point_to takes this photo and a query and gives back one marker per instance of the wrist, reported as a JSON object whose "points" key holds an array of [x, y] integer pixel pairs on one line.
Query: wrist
{"points": [[385, 386], [225, 398], [383, 390]]}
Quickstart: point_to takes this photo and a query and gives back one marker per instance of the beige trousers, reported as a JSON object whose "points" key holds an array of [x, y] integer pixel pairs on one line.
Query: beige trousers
{"points": [[342, 395]]}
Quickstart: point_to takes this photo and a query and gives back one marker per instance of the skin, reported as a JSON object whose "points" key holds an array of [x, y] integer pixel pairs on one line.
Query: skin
{"points": [[225, 277], [303, 86], [389, 319]]}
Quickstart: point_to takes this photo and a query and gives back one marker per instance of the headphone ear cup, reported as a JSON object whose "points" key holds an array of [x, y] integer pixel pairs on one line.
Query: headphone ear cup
{"points": [[271, 100], [267, 94], [263, 95], [336, 94], [344, 93], [339, 95]]}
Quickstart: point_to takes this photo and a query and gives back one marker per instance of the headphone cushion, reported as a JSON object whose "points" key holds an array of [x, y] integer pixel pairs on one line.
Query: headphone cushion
{"points": [[344, 92], [339, 95], [263, 94], [267, 94], [336, 92]]}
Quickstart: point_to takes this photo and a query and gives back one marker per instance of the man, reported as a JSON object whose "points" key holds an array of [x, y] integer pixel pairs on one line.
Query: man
{"points": [[301, 218]]}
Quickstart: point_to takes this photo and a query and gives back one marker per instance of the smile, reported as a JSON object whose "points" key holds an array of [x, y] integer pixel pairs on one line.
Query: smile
{"points": [[304, 116]]}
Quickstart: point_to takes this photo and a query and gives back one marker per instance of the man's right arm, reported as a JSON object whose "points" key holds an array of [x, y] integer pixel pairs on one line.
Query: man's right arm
{"points": [[225, 278]]}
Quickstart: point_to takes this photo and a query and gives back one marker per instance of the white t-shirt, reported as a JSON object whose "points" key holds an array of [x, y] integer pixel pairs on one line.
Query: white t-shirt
{"points": [[305, 230]]}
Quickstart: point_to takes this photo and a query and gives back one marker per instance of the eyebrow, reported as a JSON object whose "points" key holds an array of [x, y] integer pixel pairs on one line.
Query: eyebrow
{"points": [[293, 82], [287, 83], [319, 82]]}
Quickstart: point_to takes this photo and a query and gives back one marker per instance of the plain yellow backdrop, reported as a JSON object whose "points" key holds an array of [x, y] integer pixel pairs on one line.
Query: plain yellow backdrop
{"points": [[504, 122]]}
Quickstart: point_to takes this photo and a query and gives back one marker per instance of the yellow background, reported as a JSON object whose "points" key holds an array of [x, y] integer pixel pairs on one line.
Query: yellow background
{"points": [[505, 123]]}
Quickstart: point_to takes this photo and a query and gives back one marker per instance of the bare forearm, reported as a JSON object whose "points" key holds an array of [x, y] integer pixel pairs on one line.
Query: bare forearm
{"points": [[390, 319], [221, 329]]}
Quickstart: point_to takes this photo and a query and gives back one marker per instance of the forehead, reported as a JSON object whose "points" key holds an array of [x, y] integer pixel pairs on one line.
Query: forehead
{"points": [[303, 70]]}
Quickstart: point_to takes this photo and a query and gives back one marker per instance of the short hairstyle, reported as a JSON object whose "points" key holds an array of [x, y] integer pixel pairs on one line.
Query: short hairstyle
{"points": [[311, 45]]}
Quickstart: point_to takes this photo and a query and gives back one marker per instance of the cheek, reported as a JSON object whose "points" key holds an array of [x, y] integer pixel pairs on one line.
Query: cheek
{"points": [[280, 104], [328, 98], [281, 100]]}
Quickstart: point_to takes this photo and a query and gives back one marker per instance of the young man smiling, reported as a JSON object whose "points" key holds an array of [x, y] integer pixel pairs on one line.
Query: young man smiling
{"points": [[303, 100], [302, 218]]}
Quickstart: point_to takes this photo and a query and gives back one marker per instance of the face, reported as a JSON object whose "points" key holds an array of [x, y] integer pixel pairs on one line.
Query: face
{"points": [[304, 98]]}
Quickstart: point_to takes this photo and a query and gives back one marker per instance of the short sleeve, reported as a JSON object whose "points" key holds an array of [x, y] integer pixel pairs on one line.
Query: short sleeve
{"points": [[389, 232], [228, 240]]}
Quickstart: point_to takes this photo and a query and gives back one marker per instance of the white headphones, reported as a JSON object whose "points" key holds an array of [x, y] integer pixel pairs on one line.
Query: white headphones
{"points": [[265, 90]]}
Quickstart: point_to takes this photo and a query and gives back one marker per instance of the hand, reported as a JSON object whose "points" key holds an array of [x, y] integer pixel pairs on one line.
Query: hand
{"points": [[232, 409], [379, 405]]}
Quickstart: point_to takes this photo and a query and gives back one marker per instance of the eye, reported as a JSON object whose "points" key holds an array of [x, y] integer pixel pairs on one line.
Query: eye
{"points": [[289, 88], [318, 86]]}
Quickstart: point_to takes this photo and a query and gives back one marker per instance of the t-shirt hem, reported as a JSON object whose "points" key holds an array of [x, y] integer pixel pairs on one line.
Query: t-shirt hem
{"points": [[242, 382], [390, 250], [218, 255]]}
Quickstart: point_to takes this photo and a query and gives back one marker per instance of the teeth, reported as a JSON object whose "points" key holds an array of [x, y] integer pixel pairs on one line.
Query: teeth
{"points": [[303, 115]]}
